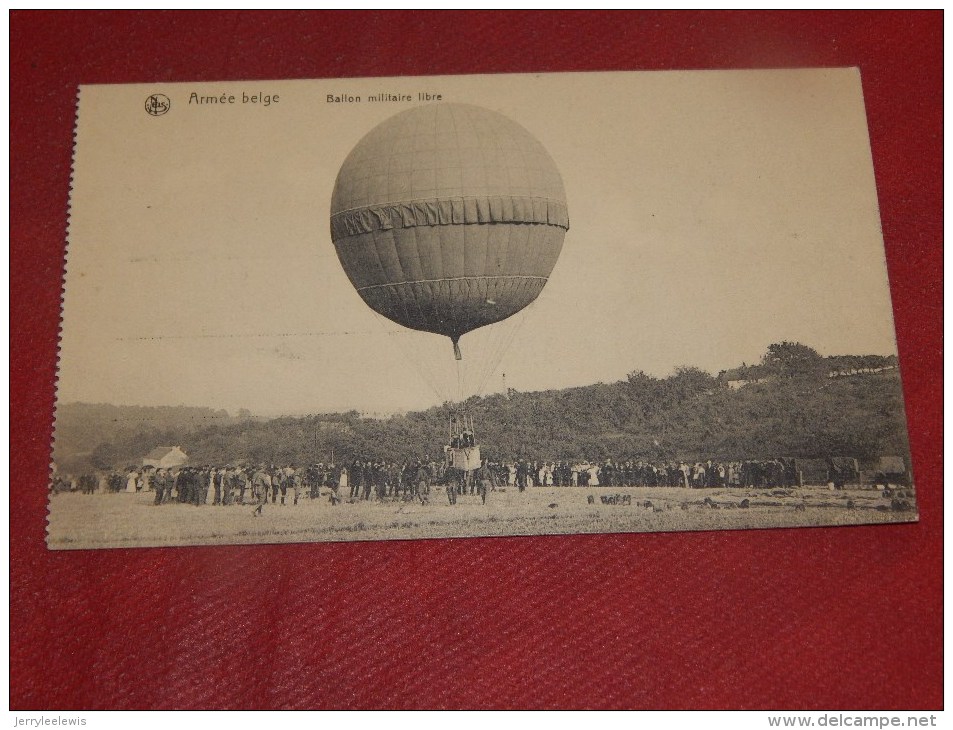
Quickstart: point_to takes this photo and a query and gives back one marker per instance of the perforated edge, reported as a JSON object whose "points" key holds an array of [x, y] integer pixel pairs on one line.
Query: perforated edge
{"points": [[59, 330]]}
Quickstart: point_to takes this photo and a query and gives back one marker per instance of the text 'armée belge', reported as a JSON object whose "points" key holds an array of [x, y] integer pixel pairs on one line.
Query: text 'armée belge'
{"points": [[258, 98]]}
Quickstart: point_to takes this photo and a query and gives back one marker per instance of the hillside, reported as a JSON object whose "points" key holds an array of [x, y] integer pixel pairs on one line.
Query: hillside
{"points": [[794, 409], [85, 431]]}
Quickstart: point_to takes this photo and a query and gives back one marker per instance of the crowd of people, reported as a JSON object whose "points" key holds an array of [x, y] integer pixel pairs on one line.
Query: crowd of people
{"points": [[641, 473], [378, 480], [235, 484]]}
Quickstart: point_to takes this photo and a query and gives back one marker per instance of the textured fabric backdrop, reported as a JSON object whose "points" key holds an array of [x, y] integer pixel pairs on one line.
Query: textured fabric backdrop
{"points": [[810, 618]]}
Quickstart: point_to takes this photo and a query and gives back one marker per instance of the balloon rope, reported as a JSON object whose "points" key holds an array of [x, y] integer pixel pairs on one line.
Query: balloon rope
{"points": [[424, 371], [504, 346]]}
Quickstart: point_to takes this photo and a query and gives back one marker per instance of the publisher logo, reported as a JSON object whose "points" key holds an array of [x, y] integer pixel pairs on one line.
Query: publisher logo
{"points": [[158, 104]]}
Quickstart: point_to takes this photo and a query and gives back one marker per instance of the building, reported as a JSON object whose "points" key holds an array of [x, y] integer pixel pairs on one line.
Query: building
{"points": [[165, 457]]}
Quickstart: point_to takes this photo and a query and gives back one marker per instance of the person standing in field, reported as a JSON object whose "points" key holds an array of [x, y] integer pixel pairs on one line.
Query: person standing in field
{"points": [[183, 485], [409, 478], [285, 480], [684, 472], [205, 483], [236, 480], [368, 473], [452, 490], [334, 482], [315, 480], [260, 484], [87, 483], [593, 476], [228, 485], [423, 483], [607, 474], [217, 476], [521, 475], [168, 485], [355, 477], [377, 481], [297, 482], [244, 480], [343, 478], [483, 480], [159, 482]]}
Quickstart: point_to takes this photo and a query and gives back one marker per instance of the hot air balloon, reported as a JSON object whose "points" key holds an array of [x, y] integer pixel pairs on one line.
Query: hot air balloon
{"points": [[448, 217]]}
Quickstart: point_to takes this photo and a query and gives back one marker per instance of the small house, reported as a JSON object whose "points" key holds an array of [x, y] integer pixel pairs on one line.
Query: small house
{"points": [[165, 457]]}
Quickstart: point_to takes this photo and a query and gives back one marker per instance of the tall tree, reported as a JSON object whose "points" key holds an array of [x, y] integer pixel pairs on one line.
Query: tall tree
{"points": [[792, 360]]}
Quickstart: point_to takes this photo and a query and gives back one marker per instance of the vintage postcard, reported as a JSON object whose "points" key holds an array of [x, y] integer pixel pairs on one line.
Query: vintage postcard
{"points": [[362, 309]]}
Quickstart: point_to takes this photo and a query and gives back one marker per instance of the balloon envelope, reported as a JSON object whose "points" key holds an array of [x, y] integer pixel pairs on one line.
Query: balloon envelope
{"points": [[448, 217]]}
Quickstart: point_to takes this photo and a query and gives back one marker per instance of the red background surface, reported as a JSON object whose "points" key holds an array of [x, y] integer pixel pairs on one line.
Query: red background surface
{"points": [[811, 618]]}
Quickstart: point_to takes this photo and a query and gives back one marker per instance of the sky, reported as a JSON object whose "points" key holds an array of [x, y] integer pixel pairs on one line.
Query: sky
{"points": [[711, 214]]}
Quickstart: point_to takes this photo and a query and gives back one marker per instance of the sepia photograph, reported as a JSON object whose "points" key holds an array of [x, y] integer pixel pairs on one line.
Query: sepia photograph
{"points": [[471, 306]]}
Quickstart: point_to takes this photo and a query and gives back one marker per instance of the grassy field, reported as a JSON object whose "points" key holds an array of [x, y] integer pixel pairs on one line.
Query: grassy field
{"points": [[78, 521]]}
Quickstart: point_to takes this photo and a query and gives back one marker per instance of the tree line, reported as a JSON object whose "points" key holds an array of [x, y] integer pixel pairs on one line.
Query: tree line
{"points": [[792, 409]]}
